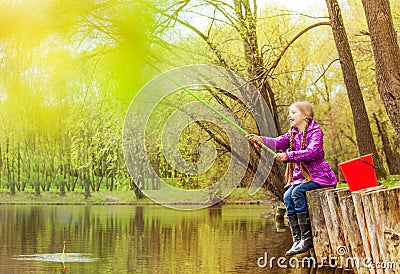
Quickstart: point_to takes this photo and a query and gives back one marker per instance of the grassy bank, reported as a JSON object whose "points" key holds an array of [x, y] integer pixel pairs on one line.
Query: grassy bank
{"points": [[239, 195], [390, 181]]}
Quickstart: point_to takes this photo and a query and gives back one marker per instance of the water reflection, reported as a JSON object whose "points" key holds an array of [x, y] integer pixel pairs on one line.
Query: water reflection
{"points": [[142, 239]]}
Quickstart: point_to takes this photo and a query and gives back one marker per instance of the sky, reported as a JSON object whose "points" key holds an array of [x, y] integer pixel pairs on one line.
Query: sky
{"points": [[301, 5], [310, 7]]}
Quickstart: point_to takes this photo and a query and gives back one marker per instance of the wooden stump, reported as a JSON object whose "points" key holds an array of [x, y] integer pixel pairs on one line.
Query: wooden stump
{"points": [[352, 231], [361, 220], [366, 223], [332, 213], [382, 211], [322, 247]]}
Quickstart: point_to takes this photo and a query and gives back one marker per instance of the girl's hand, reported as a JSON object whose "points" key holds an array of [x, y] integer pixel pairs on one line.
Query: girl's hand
{"points": [[281, 157], [254, 138]]}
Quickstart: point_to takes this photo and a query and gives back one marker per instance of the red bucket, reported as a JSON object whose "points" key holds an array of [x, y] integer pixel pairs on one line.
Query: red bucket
{"points": [[359, 173]]}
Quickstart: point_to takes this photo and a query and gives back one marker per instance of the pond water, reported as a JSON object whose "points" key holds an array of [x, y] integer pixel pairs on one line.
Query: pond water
{"points": [[139, 239]]}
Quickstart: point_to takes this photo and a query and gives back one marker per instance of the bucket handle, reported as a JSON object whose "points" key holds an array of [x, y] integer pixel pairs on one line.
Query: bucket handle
{"points": [[362, 160]]}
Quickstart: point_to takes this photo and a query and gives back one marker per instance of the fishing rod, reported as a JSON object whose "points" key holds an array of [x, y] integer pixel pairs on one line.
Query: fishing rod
{"points": [[198, 98]]}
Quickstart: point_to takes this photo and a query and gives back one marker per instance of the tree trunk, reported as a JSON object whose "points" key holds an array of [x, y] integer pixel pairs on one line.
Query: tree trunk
{"points": [[98, 182], [9, 180], [247, 21], [138, 192], [387, 56], [62, 188], [18, 182], [86, 180], [112, 180], [363, 131], [392, 156], [37, 183]]}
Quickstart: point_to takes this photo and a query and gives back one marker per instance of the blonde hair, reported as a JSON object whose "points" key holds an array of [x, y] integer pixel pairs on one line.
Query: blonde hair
{"points": [[307, 109]]}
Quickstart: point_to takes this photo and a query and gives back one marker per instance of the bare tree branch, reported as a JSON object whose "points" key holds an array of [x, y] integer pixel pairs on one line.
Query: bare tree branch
{"points": [[275, 64], [325, 70], [206, 38], [226, 14], [211, 25]]}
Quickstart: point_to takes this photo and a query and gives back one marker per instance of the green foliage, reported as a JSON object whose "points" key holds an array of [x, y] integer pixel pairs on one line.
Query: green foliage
{"points": [[391, 181], [66, 84], [70, 68]]}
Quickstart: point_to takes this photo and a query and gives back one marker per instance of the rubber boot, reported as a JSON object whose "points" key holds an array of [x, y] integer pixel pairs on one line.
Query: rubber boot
{"points": [[306, 242], [296, 233]]}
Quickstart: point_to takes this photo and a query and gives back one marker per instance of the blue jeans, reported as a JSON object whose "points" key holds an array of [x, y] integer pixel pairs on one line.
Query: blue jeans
{"points": [[295, 197]]}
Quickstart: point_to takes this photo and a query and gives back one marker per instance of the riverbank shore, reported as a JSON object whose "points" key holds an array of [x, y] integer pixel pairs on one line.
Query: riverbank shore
{"points": [[238, 196]]}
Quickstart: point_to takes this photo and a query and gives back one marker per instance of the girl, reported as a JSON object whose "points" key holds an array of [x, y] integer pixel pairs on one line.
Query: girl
{"points": [[306, 169]]}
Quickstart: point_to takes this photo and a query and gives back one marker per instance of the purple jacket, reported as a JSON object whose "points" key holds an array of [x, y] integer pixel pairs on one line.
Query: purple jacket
{"points": [[312, 155]]}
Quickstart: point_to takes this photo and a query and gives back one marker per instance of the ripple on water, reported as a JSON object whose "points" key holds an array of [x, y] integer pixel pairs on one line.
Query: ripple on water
{"points": [[56, 257]]}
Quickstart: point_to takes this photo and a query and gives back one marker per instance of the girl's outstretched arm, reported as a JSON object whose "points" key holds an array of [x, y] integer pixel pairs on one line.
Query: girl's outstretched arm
{"points": [[278, 143]]}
